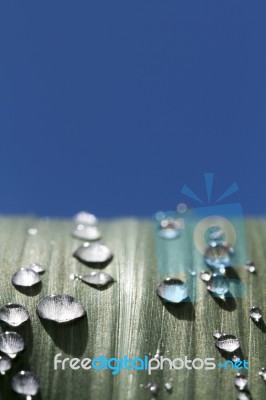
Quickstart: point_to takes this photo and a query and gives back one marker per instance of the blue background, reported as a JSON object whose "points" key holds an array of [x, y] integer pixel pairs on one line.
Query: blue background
{"points": [[111, 106]]}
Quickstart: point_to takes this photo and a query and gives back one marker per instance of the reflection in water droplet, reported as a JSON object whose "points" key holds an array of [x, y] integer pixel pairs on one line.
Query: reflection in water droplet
{"points": [[262, 373], [13, 314], [25, 277], [172, 290], [218, 286], [37, 268], [84, 217], [86, 232], [25, 383], [241, 381], [168, 386], [228, 343], [154, 388], [11, 343], [217, 256], [60, 308], [98, 279], [32, 231], [205, 276], [93, 253], [5, 365], [169, 229], [255, 314], [217, 334]]}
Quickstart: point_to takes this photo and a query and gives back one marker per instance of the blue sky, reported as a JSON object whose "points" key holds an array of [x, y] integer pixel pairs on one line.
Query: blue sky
{"points": [[113, 106]]}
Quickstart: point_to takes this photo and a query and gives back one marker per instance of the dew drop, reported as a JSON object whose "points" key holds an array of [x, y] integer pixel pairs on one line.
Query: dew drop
{"points": [[5, 365], [86, 218], [169, 229], [228, 343], [25, 277], [205, 276], [90, 253], [262, 373], [217, 256], [217, 334], [154, 388], [218, 286], [241, 381], [60, 308], [98, 279], [255, 314], [13, 314], [172, 290], [25, 383], [192, 272], [168, 386], [32, 231], [250, 267], [86, 232], [36, 267], [11, 343]]}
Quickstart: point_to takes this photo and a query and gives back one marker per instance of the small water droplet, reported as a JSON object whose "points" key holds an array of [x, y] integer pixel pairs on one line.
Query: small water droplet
{"points": [[181, 207], [172, 290], [262, 373], [228, 343], [255, 314], [241, 381], [235, 358], [168, 386], [169, 229], [90, 253], [11, 343], [25, 277], [160, 215], [217, 334], [60, 308], [192, 272], [37, 268], [205, 276], [217, 256], [98, 279], [250, 267], [5, 365], [86, 218], [32, 231], [86, 232], [25, 383], [154, 388], [13, 314], [218, 286]]}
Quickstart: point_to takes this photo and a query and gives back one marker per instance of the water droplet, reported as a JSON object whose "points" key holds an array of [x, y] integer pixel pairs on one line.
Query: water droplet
{"points": [[90, 253], [216, 233], [217, 256], [255, 314], [205, 276], [13, 314], [25, 383], [5, 365], [154, 388], [228, 343], [250, 267], [160, 215], [168, 386], [172, 290], [169, 229], [241, 381], [60, 308], [32, 231], [86, 232], [218, 286], [235, 358], [37, 268], [11, 343], [98, 279], [25, 277], [181, 207], [192, 272], [86, 218], [262, 373], [217, 334]]}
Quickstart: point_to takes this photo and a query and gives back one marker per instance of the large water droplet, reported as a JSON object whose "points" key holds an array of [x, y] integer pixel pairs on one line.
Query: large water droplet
{"points": [[25, 383], [13, 314], [172, 290], [5, 365], [241, 381], [36, 267], [11, 343], [205, 276], [218, 286], [86, 218], [217, 334], [262, 373], [154, 388], [217, 256], [255, 314], [25, 277], [97, 279], [169, 229], [60, 308], [228, 343], [86, 232], [91, 253]]}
